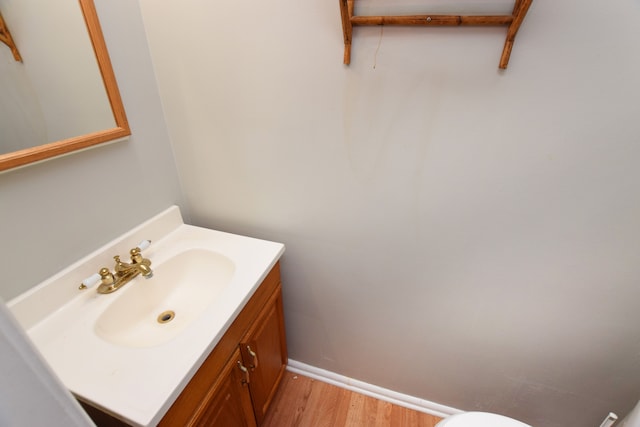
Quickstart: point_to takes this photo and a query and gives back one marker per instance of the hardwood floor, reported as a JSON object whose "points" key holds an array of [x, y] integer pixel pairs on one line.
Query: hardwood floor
{"points": [[302, 401]]}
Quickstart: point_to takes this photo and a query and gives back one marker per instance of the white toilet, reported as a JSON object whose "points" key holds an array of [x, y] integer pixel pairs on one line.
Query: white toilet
{"points": [[480, 419], [486, 419]]}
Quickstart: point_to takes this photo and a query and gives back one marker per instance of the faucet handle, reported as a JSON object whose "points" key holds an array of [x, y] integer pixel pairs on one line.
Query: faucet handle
{"points": [[90, 281], [144, 245], [136, 253], [102, 277]]}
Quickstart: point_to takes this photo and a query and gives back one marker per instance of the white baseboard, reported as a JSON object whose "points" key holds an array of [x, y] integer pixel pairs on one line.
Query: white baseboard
{"points": [[380, 393]]}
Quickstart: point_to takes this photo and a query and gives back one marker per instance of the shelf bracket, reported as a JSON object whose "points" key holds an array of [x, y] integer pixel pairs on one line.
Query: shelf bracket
{"points": [[5, 37], [346, 10], [520, 9], [513, 22]]}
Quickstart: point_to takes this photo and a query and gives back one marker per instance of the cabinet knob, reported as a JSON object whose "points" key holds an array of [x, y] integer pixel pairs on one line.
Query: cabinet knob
{"points": [[253, 354], [246, 378]]}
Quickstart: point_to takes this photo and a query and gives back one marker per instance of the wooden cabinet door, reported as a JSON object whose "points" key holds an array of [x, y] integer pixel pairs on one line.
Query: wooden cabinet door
{"points": [[229, 404], [264, 352]]}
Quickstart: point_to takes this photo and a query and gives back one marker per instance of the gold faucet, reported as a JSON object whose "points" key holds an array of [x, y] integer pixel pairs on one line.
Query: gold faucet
{"points": [[123, 272]]}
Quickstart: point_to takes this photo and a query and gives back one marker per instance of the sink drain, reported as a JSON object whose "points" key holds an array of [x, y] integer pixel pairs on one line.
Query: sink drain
{"points": [[166, 316]]}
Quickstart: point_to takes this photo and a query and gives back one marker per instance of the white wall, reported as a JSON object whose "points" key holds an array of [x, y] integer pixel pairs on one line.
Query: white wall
{"points": [[455, 233]]}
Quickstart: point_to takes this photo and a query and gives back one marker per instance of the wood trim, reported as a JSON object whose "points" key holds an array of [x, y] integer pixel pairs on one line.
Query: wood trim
{"points": [[104, 63]]}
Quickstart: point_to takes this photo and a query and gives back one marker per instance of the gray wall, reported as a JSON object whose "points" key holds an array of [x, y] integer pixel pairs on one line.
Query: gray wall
{"points": [[455, 233], [55, 212]]}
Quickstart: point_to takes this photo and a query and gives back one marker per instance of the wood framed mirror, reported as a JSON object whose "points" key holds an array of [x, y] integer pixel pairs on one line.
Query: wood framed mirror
{"points": [[116, 128]]}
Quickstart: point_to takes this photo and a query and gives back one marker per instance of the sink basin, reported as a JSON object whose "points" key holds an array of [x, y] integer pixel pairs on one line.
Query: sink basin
{"points": [[152, 311]]}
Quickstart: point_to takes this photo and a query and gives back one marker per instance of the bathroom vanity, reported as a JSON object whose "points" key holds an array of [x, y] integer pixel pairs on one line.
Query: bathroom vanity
{"points": [[236, 383], [217, 359]]}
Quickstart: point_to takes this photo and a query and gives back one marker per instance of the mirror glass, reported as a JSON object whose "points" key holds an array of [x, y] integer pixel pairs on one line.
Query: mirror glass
{"points": [[63, 95]]}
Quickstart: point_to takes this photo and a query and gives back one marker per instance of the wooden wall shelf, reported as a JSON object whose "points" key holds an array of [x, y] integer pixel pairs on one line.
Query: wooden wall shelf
{"points": [[513, 22]]}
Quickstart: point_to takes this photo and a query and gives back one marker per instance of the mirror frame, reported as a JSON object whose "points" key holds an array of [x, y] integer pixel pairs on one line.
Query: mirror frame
{"points": [[57, 148]]}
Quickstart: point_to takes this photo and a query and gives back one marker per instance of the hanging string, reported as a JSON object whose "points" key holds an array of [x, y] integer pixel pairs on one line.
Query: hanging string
{"points": [[375, 56]]}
